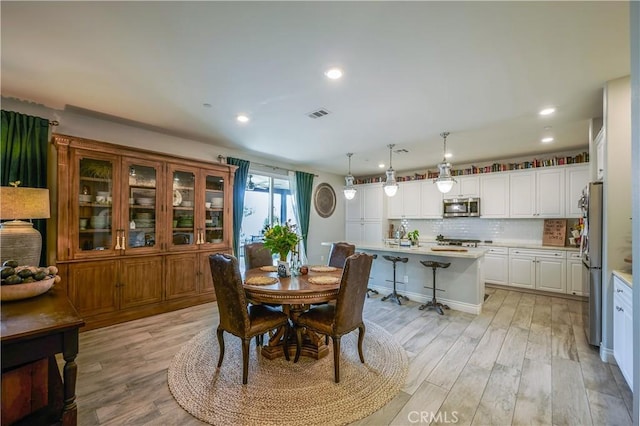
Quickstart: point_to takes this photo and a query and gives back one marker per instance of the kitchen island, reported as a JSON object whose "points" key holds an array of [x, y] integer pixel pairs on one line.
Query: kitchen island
{"points": [[462, 282]]}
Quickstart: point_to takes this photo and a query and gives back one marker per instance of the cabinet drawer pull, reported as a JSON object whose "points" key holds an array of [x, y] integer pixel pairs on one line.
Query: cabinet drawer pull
{"points": [[618, 290], [619, 309]]}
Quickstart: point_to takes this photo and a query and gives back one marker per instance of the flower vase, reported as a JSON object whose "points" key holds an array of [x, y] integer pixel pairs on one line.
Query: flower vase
{"points": [[283, 269]]}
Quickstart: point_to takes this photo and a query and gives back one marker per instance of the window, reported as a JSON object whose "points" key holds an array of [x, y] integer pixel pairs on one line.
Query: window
{"points": [[267, 200]]}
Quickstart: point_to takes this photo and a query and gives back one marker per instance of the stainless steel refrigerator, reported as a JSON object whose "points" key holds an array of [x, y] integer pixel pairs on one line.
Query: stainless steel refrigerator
{"points": [[591, 248]]}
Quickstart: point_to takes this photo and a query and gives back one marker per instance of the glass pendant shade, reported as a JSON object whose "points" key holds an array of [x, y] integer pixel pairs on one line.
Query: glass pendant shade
{"points": [[390, 186], [444, 181], [349, 190]]}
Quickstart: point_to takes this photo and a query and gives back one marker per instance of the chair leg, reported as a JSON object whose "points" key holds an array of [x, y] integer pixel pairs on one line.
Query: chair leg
{"points": [[221, 344], [298, 343], [245, 360], [285, 347], [336, 358], [361, 331]]}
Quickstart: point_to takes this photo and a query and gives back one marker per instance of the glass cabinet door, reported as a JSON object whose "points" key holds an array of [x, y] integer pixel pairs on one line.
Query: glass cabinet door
{"points": [[142, 204], [183, 229], [94, 216], [214, 209]]}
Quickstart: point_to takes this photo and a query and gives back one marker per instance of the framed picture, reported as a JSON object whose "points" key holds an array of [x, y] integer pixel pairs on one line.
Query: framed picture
{"points": [[324, 200]]}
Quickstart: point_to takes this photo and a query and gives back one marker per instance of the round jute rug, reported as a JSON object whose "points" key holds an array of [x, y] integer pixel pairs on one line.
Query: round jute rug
{"points": [[280, 392]]}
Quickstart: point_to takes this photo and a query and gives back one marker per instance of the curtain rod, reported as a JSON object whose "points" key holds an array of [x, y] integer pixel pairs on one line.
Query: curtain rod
{"points": [[221, 157]]}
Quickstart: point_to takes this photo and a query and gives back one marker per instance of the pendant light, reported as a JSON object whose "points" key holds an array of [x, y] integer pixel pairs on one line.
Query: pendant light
{"points": [[444, 181], [349, 190], [390, 186]]}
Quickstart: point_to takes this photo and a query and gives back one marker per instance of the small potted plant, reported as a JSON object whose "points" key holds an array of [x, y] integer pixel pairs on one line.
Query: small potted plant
{"points": [[413, 237]]}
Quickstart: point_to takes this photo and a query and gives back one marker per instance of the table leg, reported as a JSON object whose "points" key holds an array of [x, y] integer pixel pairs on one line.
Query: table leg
{"points": [[313, 345], [69, 375]]}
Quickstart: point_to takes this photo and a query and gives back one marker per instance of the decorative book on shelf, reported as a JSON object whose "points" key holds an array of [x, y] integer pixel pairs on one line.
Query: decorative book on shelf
{"points": [[495, 167]]}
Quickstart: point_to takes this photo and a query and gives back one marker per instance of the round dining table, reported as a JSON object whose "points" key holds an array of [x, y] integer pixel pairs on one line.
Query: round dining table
{"points": [[295, 293]]}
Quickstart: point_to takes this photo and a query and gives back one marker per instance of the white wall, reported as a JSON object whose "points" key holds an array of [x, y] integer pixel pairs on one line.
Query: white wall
{"points": [[617, 194], [75, 124]]}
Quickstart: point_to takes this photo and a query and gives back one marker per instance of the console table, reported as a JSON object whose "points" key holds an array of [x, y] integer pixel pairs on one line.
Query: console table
{"points": [[33, 331]]}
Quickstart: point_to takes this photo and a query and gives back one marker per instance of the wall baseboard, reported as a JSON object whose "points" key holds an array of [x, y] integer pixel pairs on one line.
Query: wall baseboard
{"points": [[421, 298]]}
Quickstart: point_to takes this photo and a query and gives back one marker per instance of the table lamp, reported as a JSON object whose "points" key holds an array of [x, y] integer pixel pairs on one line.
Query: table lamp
{"points": [[18, 239]]}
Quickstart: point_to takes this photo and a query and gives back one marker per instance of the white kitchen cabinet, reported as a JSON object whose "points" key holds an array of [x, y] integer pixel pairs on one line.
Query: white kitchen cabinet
{"points": [[600, 152], [366, 205], [537, 193], [623, 329], [496, 265], [494, 195], [430, 200], [406, 203], [364, 214], [576, 178], [538, 269], [464, 187], [574, 275]]}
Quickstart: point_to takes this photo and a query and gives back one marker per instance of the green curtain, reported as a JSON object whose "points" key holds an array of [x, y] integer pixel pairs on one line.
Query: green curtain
{"points": [[239, 185], [23, 157], [304, 186]]}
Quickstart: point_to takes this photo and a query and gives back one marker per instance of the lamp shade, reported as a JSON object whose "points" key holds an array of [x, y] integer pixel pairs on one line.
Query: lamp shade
{"points": [[18, 240], [444, 185], [24, 203], [390, 186], [349, 189]]}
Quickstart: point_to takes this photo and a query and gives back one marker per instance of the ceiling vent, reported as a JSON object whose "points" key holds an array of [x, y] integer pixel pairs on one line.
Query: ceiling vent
{"points": [[319, 113], [401, 151]]}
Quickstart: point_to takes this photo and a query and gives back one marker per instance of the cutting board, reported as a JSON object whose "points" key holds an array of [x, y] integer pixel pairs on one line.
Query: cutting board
{"points": [[448, 249]]}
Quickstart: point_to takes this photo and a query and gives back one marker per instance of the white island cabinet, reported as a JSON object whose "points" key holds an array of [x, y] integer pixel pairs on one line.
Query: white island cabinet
{"points": [[461, 285]]}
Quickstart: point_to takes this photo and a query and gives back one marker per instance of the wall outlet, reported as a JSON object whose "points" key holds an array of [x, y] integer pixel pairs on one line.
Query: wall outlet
{"points": [[321, 258], [406, 279]]}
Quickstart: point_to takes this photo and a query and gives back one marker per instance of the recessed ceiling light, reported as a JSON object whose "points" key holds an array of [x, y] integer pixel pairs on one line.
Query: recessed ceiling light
{"points": [[547, 111], [242, 118], [546, 140], [381, 165], [333, 73]]}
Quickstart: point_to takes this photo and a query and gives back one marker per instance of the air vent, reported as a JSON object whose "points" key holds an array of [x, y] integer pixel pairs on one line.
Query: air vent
{"points": [[319, 113]]}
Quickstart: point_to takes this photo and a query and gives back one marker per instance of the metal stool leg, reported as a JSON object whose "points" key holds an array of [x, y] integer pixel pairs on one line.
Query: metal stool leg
{"points": [[394, 296], [433, 303]]}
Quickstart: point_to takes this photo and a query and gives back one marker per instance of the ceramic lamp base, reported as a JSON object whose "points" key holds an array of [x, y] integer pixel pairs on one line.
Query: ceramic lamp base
{"points": [[21, 242]]}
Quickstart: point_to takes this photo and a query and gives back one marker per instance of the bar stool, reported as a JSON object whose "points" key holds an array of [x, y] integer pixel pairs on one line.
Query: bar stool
{"points": [[394, 296], [433, 303]]}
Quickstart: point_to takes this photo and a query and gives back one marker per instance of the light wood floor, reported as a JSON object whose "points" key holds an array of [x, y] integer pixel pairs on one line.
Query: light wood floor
{"points": [[524, 360]]}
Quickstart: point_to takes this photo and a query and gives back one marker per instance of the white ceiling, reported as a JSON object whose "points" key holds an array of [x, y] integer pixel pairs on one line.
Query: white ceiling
{"points": [[480, 70]]}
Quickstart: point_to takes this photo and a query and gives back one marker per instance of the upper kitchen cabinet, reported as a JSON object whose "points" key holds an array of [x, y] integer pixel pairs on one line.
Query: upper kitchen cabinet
{"points": [[576, 179], [537, 194], [430, 200], [366, 205], [494, 195], [464, 187], [406, 202]]}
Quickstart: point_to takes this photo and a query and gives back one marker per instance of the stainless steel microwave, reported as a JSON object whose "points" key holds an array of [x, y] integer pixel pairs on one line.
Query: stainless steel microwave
{"points": [[461, 207]]}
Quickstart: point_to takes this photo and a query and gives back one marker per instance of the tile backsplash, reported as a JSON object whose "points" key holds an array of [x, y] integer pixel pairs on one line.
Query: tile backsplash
{"points": [[526, 231]]}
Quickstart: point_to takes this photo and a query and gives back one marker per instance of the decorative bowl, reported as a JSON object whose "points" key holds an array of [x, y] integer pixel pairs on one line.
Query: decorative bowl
{"points": [[25, 290], [187, 204], [145, 201]]}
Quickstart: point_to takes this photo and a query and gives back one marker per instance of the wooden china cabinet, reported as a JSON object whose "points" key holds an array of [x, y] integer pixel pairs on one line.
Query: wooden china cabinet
{"points": [[135, 228]]}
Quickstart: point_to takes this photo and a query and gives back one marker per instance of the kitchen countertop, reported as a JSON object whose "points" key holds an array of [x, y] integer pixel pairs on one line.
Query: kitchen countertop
{"points": [[471, 253], [626, 277]]}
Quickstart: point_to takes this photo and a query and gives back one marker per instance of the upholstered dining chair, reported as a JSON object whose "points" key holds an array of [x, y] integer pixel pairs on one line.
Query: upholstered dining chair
{"points": [[339, 253], [343, 317], [256, 255], [236, 316]]}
